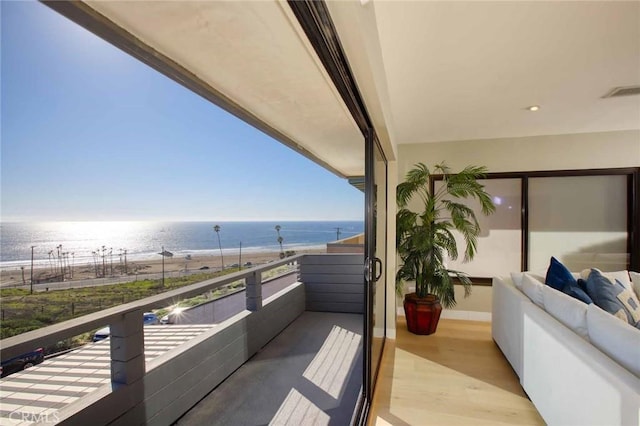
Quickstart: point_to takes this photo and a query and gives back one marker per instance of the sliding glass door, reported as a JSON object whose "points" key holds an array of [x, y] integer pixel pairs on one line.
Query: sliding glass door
{"points": [[375, 260]]}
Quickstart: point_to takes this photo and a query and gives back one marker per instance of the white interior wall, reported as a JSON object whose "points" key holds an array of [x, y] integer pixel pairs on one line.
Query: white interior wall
{"points": [[392, 182], [554, 152]]}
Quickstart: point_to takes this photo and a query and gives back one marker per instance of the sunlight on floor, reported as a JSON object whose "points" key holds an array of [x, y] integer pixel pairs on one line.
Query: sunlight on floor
{"points": [[296, 410], [331, 366], [329, 371]]}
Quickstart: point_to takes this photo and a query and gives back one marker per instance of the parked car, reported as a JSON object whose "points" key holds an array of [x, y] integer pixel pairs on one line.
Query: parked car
{"points": [[149, 318], [21, 362], [102, 334], [170, 318]]}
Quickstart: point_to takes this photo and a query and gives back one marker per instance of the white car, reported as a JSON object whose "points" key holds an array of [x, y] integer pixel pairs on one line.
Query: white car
{"points": [[149, 318]]}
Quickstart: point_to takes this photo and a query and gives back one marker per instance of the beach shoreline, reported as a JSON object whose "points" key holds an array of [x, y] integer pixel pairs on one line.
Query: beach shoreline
{"points": [[137, 269]]}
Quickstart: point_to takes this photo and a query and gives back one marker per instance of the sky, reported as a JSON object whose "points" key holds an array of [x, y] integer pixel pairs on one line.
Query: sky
{"points": [[90, 133]]}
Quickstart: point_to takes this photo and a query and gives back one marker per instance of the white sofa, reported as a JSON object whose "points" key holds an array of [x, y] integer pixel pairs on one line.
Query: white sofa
{"points": [[574, 375]]}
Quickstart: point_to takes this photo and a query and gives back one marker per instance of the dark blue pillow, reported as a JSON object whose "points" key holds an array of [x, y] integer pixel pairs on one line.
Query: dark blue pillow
{"points": [[577, 291], [558, 275], [604, 293], [582, 284]]}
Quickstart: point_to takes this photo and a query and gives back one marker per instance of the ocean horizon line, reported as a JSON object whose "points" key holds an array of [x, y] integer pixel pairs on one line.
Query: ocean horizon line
{"points": [[2, 221]]}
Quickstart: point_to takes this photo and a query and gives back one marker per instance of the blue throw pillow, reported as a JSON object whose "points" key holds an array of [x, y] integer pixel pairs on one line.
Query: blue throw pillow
{"points": [[577, 291], [558, 275], [611, 296]]}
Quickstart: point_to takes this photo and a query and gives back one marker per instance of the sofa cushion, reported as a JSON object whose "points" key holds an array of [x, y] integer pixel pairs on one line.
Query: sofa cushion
{"points": [[615, 338], [516, 277], [635, 282], [558, 275], [567, 310], [533, 289], [577, 291], [614, 298]]}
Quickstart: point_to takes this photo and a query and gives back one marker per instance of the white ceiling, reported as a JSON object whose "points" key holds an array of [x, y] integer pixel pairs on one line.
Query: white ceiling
{"points": [[427, 70], [447, 70]]}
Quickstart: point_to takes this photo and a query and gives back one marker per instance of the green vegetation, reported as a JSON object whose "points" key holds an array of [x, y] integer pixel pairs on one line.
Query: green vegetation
{"points": [[22, 312]]}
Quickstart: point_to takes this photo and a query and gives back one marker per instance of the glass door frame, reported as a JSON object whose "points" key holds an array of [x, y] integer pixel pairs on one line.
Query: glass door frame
{"points": [[371, 268]]}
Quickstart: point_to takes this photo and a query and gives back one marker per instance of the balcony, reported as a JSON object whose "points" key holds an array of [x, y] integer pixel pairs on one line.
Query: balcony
{"points": [[296, 339]]}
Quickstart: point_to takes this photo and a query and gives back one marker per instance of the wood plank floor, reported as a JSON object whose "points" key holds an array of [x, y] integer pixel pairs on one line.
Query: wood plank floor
{"points": [[457, 376]]}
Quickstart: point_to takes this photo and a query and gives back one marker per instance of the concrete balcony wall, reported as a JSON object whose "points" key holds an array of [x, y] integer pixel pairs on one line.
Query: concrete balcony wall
{"points": [[333, 282], [175, 381], [345, 248], [353, 244]]}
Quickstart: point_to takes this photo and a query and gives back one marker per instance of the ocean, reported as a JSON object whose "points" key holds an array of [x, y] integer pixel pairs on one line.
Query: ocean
{"points": [[144, 240]]}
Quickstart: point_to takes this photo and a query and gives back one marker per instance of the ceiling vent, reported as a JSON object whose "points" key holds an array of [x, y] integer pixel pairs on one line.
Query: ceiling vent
{"points": [[623, 91]]}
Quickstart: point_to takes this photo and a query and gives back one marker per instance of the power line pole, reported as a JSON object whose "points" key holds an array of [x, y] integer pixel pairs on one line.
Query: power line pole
{"points": [[32, 247], [162, 266], [337, 233], [104, 265]]}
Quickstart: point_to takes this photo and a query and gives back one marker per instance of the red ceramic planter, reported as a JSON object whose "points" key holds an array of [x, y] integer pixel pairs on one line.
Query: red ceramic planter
{"points": [[422, 314]]}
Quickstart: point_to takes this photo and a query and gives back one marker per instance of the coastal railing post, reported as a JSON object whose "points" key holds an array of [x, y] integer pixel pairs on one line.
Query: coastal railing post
{"points": [[253, 285], [127, 349]]}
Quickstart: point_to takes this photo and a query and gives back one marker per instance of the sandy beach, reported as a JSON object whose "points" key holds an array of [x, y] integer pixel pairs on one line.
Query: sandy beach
{"points": [[10, 277]]}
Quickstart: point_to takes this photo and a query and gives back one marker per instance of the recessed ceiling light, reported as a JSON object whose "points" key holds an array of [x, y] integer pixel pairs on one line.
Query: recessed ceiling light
{"points": [[533, 108]]}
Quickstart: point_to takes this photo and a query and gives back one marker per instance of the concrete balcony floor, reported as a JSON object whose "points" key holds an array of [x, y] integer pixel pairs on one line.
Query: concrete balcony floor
{"points": [[311, 373], [457, 376]]}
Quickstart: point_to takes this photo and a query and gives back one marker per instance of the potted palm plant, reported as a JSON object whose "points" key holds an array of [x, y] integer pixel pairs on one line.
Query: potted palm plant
{"points": [[425, 239]]}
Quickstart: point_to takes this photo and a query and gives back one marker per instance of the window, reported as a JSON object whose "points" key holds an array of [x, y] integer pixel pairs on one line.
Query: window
{"points": [[500, 241], [585, 218], [582, 221]]}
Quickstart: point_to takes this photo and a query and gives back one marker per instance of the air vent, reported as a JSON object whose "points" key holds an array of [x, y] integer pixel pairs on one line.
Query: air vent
{"points": [[623, 91]]}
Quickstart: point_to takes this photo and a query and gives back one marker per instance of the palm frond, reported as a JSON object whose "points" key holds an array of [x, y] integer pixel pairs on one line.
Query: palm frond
{"points": [[415, 183], [464, 280]]}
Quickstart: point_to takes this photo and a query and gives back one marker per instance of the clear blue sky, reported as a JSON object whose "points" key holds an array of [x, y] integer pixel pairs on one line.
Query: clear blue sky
{"points": [[89, 133]]}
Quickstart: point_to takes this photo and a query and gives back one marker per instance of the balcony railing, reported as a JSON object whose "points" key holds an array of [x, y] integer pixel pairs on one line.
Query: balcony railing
{"points": [[119, 316]]}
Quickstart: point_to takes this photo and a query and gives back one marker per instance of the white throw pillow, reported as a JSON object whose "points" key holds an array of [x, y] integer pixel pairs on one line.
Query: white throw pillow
{"points": [[533, 289], [635, 282], [516, 277], [622, 276], [566, 309], [615, 338]]}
